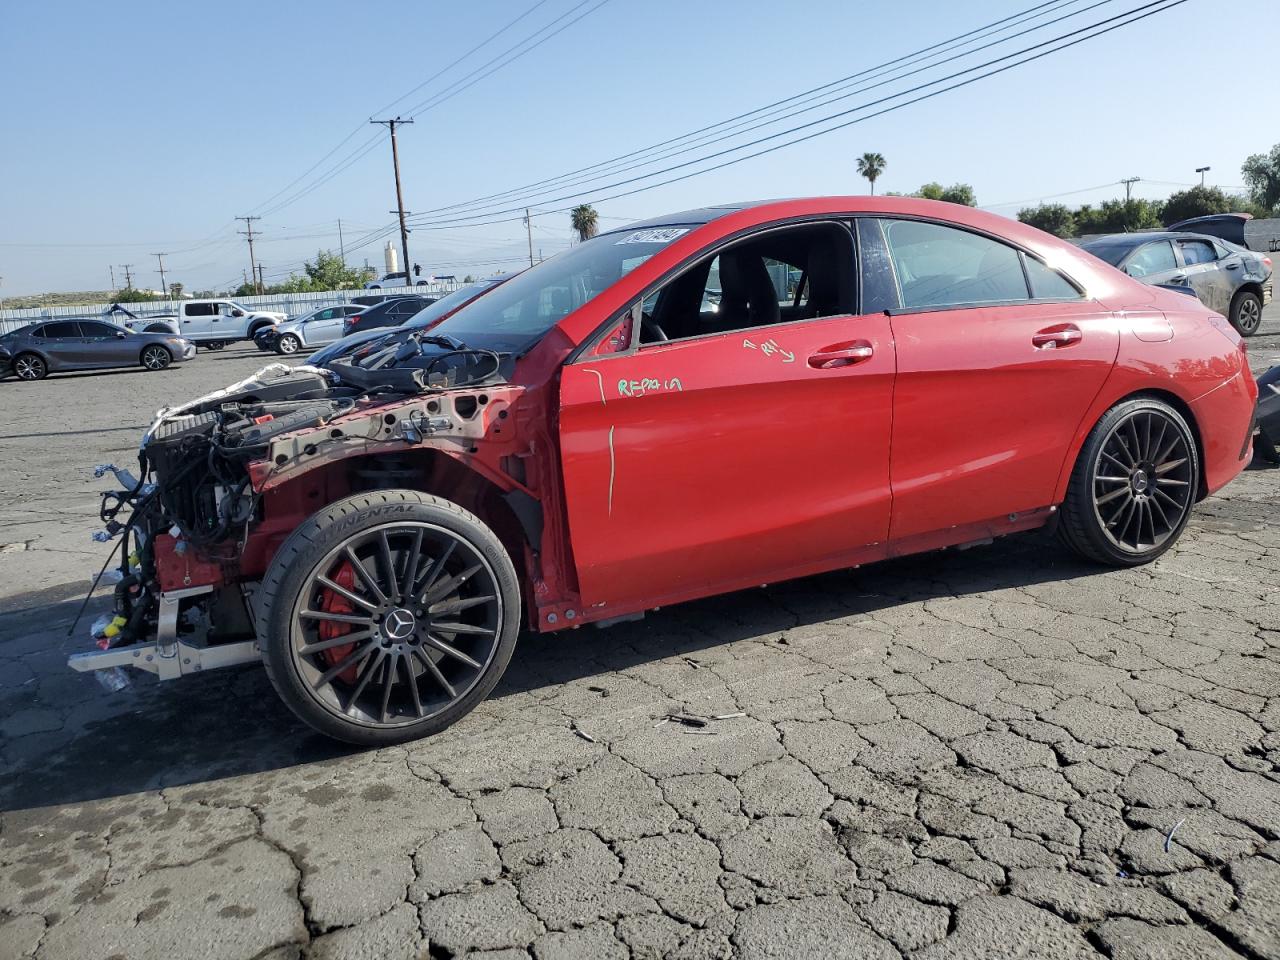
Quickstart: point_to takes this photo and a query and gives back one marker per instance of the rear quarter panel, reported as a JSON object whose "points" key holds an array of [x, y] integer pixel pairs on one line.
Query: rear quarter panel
{"points": [[1169, 345]]}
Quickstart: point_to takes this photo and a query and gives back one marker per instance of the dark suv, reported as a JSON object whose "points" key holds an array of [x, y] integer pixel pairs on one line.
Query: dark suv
{"points": [[389, 313]]}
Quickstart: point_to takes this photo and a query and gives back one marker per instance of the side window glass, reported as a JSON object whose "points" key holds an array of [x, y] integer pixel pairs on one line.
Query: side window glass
{"points": [[879, 290], [100, 330], [800, 273], [940, 266], [1197, 251], [63, 328], [1049, 284], [1152, 258]]}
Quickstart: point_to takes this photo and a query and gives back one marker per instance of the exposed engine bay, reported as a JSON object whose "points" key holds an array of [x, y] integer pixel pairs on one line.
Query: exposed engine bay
{"points": [[214, 494]]}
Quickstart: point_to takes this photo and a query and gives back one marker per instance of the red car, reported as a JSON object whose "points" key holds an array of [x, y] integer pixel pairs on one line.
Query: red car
{"points": [[691, 405]]}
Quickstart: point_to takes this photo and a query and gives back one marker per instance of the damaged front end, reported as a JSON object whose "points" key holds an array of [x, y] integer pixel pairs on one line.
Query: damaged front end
{"points": [[224, 479]]}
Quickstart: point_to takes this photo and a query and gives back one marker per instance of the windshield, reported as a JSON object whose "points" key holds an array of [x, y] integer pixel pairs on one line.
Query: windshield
{"points": [[447, 304], [1112, 253], [513, 317]]}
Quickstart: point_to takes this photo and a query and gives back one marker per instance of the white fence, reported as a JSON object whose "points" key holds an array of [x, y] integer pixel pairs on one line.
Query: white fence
{"points": [[293, 304]]}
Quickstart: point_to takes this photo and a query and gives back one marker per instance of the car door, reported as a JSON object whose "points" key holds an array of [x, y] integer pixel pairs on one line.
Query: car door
{"points": [[715, 460], [103, 346], [999, 357], [1213, 279], [64, 345], [197, 319]]}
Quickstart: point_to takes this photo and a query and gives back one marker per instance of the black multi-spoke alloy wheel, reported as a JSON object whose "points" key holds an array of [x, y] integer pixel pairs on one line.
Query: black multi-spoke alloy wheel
{"points": [[1133, 485], [1246, 313], [155, 357], [387, 616], [28, 366]]}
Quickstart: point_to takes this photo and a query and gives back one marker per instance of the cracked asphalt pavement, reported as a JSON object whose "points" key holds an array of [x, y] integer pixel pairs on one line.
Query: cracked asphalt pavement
{"points": [[1001, 752]]}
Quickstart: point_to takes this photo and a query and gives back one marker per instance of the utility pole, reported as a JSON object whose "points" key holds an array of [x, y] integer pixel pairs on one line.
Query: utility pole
{"points": [[248, 232], [342, 250], [113, 277], [528, 229], [1202, 171], [262, 280], [164, 288], [395, 161], [128, 277], [1128, 187]]}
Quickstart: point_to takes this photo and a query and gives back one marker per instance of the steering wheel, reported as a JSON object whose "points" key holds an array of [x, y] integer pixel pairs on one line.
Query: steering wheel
{"points": [[650, 332]]}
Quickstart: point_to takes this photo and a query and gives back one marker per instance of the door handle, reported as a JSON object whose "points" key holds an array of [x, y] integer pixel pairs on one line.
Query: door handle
{"points": [[1053, 337], [841, 355], [1233, 266], [1178, 278]]}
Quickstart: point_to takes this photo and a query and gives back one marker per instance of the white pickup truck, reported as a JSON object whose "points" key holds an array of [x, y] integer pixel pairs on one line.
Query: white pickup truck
{"points": [[210, 323], [215, 323]]}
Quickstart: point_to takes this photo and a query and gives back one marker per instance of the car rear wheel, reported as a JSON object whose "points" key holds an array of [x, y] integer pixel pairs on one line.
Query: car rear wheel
{"points": [[288, 344], [1246, 313], [387, 616], [29, 366], [155, 357], [1133, 486]]}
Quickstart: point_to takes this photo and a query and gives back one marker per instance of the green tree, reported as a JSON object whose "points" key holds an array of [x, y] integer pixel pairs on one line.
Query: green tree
{"points": [[175, 290], [871, 165], [130, 295], [1262, 176], [1119, 216], [1194, 202], [961, 193], [585, 221], [203, 294], [1055, 218]]}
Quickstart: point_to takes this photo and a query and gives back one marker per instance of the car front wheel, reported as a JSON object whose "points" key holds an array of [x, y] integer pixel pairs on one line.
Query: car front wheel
{"points": [[155, 357], [388, 616], [1246, 313], [288, 344], [28, 366], [1133, 486]]}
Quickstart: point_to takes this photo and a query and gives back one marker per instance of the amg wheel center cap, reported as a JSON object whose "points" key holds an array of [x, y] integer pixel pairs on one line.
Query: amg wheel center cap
{"points": [[399, 624], [1140, 481]]}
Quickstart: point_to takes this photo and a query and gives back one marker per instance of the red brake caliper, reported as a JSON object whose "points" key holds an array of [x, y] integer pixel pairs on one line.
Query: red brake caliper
{"points": [[336, 603]]}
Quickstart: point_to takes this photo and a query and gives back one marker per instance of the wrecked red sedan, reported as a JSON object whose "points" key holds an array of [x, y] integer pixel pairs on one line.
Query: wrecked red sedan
{"points": [[687, 406]]}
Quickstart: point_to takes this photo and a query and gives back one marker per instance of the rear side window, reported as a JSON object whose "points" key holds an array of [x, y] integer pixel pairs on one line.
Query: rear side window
{"points": [[200, 309], [1197, 251], [63, 328], [940, 266], [1049, 284]]}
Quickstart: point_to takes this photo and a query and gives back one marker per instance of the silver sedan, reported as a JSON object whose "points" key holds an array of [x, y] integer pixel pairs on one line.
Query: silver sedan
{"points": [[52, 346]]}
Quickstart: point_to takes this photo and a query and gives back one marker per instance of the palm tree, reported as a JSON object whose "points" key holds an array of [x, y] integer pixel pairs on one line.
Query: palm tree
{"points": [[871, 165], [585, 221]]}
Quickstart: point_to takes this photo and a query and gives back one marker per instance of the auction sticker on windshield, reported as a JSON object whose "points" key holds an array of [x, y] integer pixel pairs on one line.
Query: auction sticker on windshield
{"points": [[657, 235]]}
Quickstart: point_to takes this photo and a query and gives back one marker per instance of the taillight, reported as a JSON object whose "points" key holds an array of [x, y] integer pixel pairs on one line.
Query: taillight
{"points": [[1267, 261]]}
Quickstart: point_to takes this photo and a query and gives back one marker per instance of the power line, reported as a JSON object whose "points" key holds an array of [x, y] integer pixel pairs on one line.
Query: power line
{"points": [[1128, 17], [928, 52]]}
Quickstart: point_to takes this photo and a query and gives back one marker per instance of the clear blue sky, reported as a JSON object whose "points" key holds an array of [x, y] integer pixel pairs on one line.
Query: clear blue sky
{"points": [[136, 127]]}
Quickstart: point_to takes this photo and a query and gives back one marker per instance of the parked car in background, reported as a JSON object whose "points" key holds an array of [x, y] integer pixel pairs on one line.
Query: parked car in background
{"points": [[422, 320], [215, 323], [1242, 229], [150, 323], [389, 313], [1235, 282], [310, 330], [53, 346], [400, 279]]}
